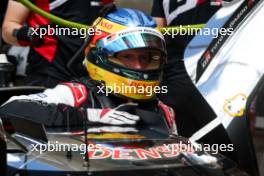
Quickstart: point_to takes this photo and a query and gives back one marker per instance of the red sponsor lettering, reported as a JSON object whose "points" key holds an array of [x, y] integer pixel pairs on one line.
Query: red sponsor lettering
{"points": [[138, 153], [167, 152], [150, 153], [162, 149], [172, 153], [122, 154], [99, 154], [106, 25]]}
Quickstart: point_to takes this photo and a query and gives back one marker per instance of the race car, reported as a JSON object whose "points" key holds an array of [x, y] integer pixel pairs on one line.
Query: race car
{"points": [[229, 66], [28, 148], [149, 149]]}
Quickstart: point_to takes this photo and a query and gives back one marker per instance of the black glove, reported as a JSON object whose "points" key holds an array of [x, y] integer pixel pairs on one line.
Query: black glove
{"points": [[27, 36]]}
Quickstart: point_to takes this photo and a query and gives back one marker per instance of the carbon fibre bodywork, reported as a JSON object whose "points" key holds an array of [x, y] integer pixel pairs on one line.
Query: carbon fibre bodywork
{"points": [[114, 157]]}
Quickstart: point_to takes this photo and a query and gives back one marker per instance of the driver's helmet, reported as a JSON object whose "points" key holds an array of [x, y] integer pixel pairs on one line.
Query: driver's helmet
{"points": [[127, 54]]}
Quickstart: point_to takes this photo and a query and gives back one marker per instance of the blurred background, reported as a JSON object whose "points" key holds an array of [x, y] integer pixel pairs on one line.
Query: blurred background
{"points": [[144, 5]]}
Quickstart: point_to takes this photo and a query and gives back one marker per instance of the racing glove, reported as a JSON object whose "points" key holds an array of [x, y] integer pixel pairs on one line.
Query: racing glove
{"points": [[116, 116], [27, 36]]}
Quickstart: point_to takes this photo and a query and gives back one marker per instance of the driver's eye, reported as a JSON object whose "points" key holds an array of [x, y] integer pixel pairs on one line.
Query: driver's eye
{"points": [[126, 56], [143, 57]]}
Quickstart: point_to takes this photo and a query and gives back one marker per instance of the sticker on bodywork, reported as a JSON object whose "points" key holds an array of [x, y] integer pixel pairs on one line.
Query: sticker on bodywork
{"points": [[120, 153], [235, 106]]}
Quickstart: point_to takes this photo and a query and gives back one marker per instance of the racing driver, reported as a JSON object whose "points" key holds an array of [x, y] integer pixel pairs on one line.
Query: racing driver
{"points": [[129, 52]]}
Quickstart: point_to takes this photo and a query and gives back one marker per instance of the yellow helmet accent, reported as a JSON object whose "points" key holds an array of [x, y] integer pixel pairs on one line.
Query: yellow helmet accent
{"points": [[114, 83]]}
